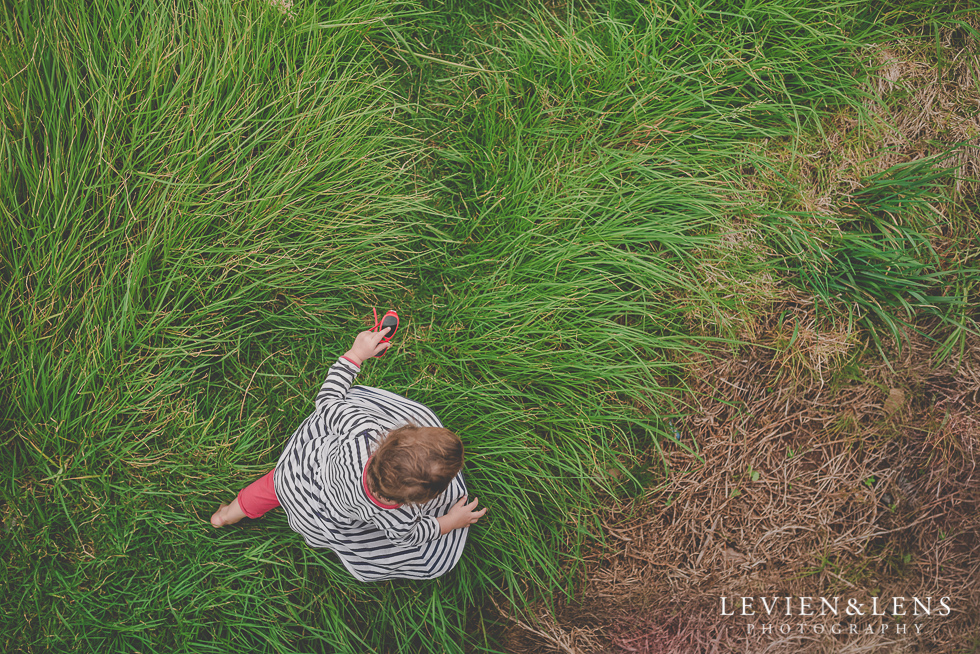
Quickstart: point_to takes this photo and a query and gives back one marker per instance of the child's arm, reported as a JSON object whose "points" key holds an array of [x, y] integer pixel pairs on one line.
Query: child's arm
{"points": [[400, 528], [423, 529], [338, 382], [342, 373]]}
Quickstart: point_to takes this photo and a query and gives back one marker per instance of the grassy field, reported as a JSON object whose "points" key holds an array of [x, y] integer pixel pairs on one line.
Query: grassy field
{"points": [[201, 202]]}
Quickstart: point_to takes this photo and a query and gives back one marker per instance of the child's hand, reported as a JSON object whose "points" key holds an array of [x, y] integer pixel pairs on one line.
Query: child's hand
{"points": [[464, 515], [367, 345]]}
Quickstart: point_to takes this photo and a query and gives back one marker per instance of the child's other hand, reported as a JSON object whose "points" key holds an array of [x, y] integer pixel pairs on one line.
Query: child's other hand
{"points": [[464, 514], [366, 345]]}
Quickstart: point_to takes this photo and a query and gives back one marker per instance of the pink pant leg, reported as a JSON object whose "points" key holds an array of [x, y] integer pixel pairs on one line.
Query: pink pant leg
{"points": [[258, 497]]}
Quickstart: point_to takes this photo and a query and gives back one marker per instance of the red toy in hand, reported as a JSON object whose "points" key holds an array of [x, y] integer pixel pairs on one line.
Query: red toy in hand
{"points": [[388, 322]]}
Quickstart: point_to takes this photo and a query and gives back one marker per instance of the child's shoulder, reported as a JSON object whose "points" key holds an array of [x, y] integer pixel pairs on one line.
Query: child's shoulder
{"points": [[355, 448]]}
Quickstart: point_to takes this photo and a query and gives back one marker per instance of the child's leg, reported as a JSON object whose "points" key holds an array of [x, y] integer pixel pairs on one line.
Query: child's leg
{"points": [[253, 502], [259, 497]]}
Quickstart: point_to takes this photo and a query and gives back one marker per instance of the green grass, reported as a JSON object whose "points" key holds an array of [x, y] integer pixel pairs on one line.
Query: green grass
{"points": [[202, 201]]}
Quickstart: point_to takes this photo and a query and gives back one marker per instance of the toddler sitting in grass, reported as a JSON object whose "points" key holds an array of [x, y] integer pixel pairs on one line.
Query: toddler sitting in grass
{"points": [[371, 475]]}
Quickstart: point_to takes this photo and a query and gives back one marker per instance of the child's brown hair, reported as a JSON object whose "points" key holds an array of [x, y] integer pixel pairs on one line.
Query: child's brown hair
{"points": [[415, 464]]}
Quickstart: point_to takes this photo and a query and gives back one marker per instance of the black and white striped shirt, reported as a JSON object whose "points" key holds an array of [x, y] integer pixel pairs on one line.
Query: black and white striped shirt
{"points": [[319, 481]]}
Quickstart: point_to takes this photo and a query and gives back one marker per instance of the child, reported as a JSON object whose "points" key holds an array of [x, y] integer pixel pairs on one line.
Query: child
{"points": [[371, 475]]}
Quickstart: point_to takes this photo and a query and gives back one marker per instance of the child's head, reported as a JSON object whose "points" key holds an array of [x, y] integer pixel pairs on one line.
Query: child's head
{"points": [[415, 464]]}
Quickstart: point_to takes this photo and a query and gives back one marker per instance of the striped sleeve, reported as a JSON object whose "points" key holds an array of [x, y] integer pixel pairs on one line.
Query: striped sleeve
{"points": [[338, 382], [401, 527]]}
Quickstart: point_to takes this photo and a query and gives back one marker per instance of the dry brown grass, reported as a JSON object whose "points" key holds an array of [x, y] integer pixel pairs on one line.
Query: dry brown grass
{"points": [[860, 482]]}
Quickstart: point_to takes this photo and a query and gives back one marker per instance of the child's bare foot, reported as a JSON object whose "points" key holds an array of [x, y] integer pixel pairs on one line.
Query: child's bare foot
{"points": [[227, 514]]}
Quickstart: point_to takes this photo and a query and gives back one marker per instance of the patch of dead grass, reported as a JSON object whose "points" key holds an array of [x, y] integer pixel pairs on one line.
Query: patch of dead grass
{"points": [[859, 483]]}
